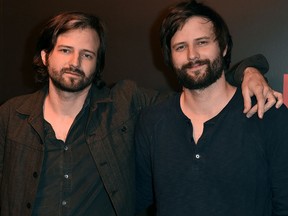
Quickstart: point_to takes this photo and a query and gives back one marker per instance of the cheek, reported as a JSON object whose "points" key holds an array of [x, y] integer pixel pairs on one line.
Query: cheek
{"points": [[177, 59], [58, 62], [215, 52], [90, 67], [51, 61]]}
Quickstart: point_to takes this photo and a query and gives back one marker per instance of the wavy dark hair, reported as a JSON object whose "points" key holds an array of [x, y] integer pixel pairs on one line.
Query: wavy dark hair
{"points": [[178, 16], [60, 24]]}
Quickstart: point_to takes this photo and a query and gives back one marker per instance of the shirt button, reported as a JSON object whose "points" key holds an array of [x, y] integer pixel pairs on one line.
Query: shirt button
{"points": [[28, 205], [197, 156], [65, 148], [66, 176], [124, 129], [64, 203], [35, 174]]}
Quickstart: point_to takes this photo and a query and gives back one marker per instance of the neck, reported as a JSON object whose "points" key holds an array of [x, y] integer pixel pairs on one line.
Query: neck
{"points": [[65, 103], [61, 108], [201, 105], [207, 102]]}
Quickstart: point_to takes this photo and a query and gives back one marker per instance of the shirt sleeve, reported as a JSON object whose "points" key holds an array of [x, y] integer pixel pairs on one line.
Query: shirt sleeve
{"points": [[235, 74]]}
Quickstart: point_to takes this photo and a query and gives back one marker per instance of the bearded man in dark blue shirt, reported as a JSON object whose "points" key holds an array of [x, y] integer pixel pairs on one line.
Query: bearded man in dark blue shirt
{"points": [[196, 153]]}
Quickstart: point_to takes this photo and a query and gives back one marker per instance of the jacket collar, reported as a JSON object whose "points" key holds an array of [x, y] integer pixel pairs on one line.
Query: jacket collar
{"points": [[33, 106], [99, 96]]}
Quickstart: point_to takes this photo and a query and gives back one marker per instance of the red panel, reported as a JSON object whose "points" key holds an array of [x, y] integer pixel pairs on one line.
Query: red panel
{"points": [[285, 89]]}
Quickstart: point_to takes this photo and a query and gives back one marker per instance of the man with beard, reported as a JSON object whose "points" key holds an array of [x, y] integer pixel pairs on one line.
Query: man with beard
{"points": [[196, 153], [68, 148]]}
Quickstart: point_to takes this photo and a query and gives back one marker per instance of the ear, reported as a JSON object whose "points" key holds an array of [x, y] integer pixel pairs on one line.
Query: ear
{"points": [[224, 51], [43, 57]]}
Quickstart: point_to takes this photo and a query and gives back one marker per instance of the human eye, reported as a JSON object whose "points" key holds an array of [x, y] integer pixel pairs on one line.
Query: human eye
{"points": [[179, 47], [88, 56], [202, 42], [64, 50]]}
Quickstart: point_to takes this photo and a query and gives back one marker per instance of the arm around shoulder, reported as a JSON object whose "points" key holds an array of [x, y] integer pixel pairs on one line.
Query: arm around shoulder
{"points": [[236, 73]]}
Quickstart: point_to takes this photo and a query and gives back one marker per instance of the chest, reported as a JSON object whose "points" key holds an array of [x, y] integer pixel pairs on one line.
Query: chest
{"points": [[227, 152], [61, 126]]}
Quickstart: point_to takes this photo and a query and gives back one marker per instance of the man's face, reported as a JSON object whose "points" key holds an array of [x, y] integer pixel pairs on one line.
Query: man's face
{"points": [[72, 63], [196, 54]]}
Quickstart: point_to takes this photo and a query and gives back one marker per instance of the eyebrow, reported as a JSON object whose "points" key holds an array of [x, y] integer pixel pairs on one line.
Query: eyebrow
{"points": [[204, 38], [179, 43], [89, 51], [197, 39]]}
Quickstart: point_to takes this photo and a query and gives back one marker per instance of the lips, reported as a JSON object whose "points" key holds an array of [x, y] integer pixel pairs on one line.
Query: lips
{"points": [[195, 65], [72, 72], [76, 72]]}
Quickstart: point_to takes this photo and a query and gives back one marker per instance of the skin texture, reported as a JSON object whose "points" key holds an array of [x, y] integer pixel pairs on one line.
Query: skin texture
{"points": [[253, 82], [72, 62], [196, 41], [71, 66], [196, 54]]}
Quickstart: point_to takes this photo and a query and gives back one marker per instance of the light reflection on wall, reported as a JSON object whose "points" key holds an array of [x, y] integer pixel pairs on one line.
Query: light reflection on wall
{"points": [[285, 89]]}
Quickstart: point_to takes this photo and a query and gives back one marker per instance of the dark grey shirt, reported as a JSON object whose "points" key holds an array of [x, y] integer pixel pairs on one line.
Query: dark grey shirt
{"points": [[69, 180]]}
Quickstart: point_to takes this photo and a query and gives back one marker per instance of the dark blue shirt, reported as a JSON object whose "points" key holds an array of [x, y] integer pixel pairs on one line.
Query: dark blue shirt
{"points": [[238, 167]]}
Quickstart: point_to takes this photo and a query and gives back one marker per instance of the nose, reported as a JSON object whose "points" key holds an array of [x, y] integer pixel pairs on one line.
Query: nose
{"points": [[75, 60], [192, 53]]}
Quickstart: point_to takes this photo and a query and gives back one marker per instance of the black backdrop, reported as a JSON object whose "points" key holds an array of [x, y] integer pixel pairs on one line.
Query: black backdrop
{"points": [[258, 26]]}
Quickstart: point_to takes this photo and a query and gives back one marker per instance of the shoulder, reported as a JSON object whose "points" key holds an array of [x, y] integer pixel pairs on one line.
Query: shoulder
{"points": [[23, 103], [128, 91], [18, 100], [273, 127], [277, 116], [120, 92], [127, 86], [124, 90], [162, 111]]}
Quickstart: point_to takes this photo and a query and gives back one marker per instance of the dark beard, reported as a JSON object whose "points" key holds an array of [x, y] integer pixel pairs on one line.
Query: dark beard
{"points": [[212, 74], [73, 85]]}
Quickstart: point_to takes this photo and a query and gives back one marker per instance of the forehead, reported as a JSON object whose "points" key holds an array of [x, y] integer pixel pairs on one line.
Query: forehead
{"points": [[86, 38], [194, 28]]}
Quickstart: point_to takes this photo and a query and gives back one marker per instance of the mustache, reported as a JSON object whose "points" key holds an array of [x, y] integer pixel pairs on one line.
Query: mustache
{"points": [[191, 64], [73, 69]]}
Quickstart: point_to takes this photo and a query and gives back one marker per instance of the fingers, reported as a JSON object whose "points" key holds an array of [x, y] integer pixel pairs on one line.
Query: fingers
{"points": [[279, 99], [252, 111], [247, 100], [273, 97], [254, 84], [260, 93], [261, 99], [265, 100]]}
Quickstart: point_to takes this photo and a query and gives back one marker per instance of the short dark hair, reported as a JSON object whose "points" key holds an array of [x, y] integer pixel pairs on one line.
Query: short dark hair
{"points": [[60, 24], [178, 16]]}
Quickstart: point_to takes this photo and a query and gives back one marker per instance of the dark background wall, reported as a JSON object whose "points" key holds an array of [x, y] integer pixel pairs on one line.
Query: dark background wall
{"points": [[257, 26]]}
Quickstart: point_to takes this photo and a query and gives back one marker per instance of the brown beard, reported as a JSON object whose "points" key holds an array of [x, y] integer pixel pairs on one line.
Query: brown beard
{"points": [[213, 72]]}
